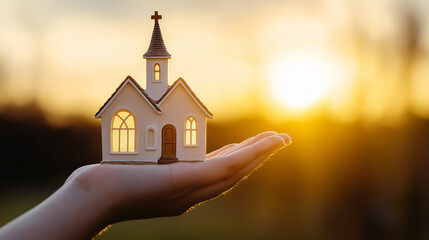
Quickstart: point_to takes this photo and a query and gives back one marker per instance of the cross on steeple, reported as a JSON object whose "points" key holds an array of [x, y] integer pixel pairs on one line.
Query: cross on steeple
{"points": [[156, 48], [156, 17]]}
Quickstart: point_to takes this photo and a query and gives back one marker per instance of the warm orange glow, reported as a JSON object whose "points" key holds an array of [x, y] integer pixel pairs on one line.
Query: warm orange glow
{"points": [[63, 62], [299, 82], [123, 132], [191, 131]]}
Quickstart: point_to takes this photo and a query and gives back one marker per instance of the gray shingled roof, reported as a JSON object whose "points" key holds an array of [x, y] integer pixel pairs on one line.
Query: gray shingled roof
{"points": [[157, 48]]}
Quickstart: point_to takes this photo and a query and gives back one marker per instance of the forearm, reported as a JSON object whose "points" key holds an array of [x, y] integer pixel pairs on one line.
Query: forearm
{"points": [[70, 213]]}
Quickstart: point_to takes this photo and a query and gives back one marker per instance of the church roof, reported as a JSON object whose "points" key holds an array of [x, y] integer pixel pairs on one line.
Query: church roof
{"points": [[157, 47], [138, 88], [191, 93], [155, 104]]}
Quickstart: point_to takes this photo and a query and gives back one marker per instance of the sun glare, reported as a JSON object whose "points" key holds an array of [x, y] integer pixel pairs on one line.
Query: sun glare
{"points": [[300, 82]]}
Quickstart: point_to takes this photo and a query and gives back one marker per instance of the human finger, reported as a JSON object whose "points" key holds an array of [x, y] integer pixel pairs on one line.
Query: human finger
{"points": [[246, 170], [286, 137], [227, 171], [230, 146], [216, 152], [248, 142], [248, 157], [224, 167]]}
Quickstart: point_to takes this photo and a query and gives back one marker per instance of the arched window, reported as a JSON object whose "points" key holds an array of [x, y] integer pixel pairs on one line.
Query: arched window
{"points": [[190, 131], [123, 132], [157, 71]]}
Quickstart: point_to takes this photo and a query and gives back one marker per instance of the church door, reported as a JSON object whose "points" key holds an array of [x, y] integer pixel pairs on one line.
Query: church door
{"points": [[168, 152]]}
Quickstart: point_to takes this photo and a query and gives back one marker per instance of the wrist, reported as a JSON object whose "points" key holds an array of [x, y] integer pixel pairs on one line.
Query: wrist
{"points": [[93, 207]]}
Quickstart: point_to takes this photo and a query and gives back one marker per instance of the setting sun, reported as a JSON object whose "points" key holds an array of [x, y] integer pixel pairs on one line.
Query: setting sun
{"points": [[301, 81]]}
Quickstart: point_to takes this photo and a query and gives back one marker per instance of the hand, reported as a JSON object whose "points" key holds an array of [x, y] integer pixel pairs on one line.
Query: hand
{"points": [[108, 193]]}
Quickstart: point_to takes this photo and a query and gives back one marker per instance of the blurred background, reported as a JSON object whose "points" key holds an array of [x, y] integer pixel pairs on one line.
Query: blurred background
{"points": [[348, 80]]}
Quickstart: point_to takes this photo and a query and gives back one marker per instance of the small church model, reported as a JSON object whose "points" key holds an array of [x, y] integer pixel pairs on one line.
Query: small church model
{"points": [[159, 124]]}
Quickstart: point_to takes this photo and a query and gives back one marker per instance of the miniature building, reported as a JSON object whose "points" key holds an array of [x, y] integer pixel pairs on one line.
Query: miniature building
{"points": [[161, 124]]}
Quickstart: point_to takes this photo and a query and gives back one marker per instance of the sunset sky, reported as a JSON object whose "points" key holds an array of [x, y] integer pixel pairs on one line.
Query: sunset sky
{"points": [[288, 59]]}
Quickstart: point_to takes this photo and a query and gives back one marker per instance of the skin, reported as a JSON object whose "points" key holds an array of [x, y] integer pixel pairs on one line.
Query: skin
{"points": [[95, 196]]}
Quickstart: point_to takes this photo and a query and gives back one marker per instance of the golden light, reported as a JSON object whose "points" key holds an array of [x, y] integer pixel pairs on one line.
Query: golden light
{"points": [[191, 131], [123, 132], [301, 81]]}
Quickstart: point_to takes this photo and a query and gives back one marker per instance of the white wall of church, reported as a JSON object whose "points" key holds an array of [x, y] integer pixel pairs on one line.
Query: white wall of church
{"points": [[175, 109], [130, 99], [156, 88]]}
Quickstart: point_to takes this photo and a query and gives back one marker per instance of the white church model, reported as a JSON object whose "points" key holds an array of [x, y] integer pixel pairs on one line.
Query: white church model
{"points": [[162, 124]]}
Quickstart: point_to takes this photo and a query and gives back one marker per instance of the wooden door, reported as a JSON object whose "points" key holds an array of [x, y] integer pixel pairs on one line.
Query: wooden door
{"points": [[168, 151]]}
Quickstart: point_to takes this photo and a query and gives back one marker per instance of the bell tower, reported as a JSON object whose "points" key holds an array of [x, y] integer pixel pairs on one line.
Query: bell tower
{"points": [[156, 62]]}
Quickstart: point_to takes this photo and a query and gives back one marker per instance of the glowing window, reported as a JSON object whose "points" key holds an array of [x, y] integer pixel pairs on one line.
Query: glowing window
{"points": [[123, 132], [157, 71], [190, 131]]}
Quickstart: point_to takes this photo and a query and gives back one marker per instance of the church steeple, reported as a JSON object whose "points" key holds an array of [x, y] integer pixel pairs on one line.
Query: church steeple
{"points": [[156, 63], [157, 47]]}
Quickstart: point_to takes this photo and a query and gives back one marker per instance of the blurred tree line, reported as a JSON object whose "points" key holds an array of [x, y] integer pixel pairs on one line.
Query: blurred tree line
{"points": [[353, 181]]}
